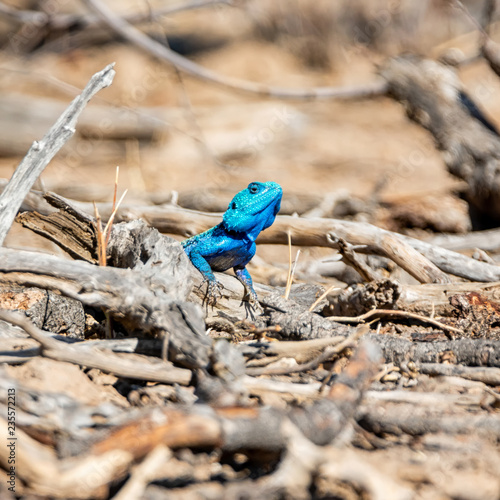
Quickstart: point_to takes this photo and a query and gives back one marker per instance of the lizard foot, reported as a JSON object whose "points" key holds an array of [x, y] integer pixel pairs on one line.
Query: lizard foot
{"points": [[214, 291], [254, 301]]}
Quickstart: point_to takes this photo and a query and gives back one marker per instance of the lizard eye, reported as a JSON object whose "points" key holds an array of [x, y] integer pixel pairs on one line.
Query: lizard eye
{"points": [[233, 206], [253, 188]]}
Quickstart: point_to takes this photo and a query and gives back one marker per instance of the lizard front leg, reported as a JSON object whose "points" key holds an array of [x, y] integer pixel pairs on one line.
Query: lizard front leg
{"points": [[214, 288]]}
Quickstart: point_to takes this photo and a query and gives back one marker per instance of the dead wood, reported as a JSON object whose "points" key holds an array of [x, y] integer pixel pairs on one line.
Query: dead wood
{"points": [[316, 232], [234, 429], [417, 421], [37, 466], [428, 300], [41, 152], [391, 313], [488, 240], [297, 323], [467, 352], [144, 301], [138, 368], [489, 376], [328, 354], [350, 258], [71, 229], [435, 98]]}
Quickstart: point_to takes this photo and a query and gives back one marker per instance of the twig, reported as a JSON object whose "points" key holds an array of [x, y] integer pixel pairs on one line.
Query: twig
{"points": [[291, 267], [351, 259], [326, 355], [101, 254], [400, 314], [133, 35], [113, 210], [322, 296], [41, 152]]}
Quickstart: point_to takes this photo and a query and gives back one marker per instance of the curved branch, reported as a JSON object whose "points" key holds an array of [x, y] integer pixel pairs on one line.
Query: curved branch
{"points": [[138, 38]]}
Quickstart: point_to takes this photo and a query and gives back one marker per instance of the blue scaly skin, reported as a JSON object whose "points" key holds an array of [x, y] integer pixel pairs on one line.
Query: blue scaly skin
{"points": [[232, 242]]}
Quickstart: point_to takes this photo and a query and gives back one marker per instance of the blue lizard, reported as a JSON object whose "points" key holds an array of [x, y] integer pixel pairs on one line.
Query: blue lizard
{"points": [[232, 242]]}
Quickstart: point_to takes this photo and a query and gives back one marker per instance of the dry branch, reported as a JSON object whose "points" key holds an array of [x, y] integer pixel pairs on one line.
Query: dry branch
{"points": [[163, 53], [435, 98], [431, 299], [153, 370], [417, 257], [418, 421], [489, 376], [261, 429], [140, 300], [41, 152], [315, 232]]}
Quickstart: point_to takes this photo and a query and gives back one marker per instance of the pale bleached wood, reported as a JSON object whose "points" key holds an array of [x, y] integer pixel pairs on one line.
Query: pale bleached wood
{"points": [[41, 152], [138, 299], [316, 232], [402, 249]]}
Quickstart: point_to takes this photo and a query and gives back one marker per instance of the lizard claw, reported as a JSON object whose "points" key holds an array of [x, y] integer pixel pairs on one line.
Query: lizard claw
{"points": [[254, 301], [214, 291]]}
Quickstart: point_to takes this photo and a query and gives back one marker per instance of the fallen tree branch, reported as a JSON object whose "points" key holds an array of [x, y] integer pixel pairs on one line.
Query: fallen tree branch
{"points": [[235, 428], [490, 376], [41, 152], [328, 353], [131, 367], [37, 465], [140, 300], [435, 98], [171, 219], [417, 421]]}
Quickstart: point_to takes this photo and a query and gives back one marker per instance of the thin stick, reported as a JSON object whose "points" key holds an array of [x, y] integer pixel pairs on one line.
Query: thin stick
{"points": [[107, 229], [322, 296], [328, 353], [114, 204], [289, 276], [401, 314], [100, 239], [41, 152]]}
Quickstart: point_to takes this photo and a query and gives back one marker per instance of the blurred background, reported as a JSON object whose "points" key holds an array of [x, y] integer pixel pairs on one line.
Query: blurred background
{"points": [[175, 136]]}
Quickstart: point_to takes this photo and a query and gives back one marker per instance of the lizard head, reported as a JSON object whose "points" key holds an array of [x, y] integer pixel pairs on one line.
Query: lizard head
{"points": [[254, 208]]}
